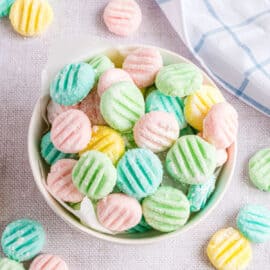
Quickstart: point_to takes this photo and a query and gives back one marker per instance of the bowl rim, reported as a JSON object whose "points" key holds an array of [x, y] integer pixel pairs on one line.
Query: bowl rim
{"points": [[58, 209]]}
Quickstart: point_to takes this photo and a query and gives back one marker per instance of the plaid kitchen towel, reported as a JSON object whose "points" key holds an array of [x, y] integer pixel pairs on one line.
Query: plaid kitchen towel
{"points": [[231, 39]]}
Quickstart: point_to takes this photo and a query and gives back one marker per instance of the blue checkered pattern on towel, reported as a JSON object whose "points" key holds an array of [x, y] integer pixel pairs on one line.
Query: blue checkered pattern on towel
{"points": [[231, 39]]}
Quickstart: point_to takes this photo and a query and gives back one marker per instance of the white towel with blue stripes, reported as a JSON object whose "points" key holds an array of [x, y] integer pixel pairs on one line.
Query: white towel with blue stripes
{"points": [[231, 39]]}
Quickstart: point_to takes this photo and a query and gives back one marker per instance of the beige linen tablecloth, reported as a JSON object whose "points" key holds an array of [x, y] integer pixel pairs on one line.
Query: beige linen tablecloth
{"points": [[21, 61]]}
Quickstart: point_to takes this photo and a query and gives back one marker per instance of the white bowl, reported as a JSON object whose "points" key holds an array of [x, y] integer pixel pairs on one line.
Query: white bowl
{"points": [[38, 126]]}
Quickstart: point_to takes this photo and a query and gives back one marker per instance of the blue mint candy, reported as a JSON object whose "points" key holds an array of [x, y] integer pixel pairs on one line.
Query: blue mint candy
{"points": [[23, 239], [139, 173], [5, 6], [141, 227], [253, 221], [156, 101], [199, 194], [72, 84], [49, 152]]}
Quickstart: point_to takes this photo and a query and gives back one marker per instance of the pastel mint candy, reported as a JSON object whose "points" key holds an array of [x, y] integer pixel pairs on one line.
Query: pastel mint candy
{"points": [[259, 169], [253, 221], [156, 101], [49, 152], [191, 160], [199, 194], [167, 209], [141, 227], [180, 79], [139, 173], [122, 105], [100, 64], [72, 84], [7, 264], [94, 175], [23, 239], [5, 6]]}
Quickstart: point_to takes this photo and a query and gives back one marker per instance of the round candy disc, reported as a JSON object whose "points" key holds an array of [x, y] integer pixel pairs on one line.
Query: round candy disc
{"points": [[71, 131], [107, 141], [94, 175], [179, 79], [119, 212], [122, 17], [253, 221], [229, 250], [48, 262], [72, 84], [191, 160], [23, 239], [167, 209], [7, 264], [143, 65], [30, 17], [122, 105], [139, 173], [156, 131]]}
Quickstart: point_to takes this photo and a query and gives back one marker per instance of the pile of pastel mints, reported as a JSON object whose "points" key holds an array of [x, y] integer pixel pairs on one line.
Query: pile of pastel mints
{"points": [[21, 241], [117, 133]]}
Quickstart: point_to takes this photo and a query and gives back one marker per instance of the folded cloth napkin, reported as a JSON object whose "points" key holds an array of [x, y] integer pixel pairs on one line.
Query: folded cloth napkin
{"points": [[231, 39]]}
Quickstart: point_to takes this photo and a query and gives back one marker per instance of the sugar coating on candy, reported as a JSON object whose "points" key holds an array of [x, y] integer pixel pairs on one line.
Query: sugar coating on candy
{"points": [[156, 131], [30, 17], [94, 175], [199, 194], [156, 101], [198, 104], [119, 212], [49, 152], [167, 209], [222, 157], [220, 125], [191, 160], [141, 227], [7, 264], [111, 76], [139, 173], [143, 65], [23, 239], [107, 141], [100, 64], [180, 79], [5, 6], [122, 105], [48, 262], [122, 17], [54, 109], [59, 181], [259, 168], [91, 107], [253, 221], [71, 131], [228, 249], [72, 84]]}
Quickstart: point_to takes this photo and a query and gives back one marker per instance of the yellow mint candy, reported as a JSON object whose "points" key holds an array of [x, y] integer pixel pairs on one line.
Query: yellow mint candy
{"points": [[30, 17], [198, 104], [107, 141], [229, 250]]}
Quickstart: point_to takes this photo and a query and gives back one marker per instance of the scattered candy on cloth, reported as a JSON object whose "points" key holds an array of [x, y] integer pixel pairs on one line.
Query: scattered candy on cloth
{"points": [[231, 40]]}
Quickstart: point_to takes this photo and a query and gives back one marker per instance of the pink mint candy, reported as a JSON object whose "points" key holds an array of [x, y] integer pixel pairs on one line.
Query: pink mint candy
{"points": [[220, 125], [59, 181], [91, 107], [143, 65], [119, 212], [122, 17], [71, 131], [48, 262], [110, 77], [156, 131]]}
